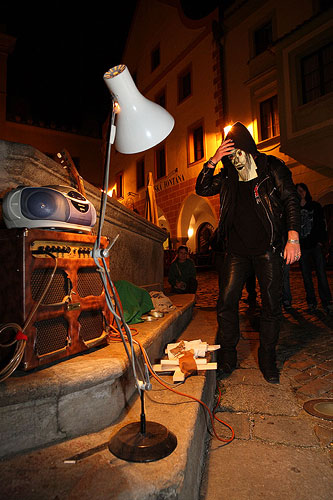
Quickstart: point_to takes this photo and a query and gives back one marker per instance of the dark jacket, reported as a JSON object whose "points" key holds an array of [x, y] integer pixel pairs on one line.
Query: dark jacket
{"points": [[277, 201], [181, 271], [313, 225]]}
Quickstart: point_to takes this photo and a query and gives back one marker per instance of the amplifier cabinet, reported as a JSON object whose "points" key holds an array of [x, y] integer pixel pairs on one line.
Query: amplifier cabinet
{"points": [[73, 315]]}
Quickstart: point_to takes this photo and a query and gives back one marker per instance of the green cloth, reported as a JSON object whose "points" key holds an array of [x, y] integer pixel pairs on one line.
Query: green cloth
{"points": [[181, 271], [135, 301]]}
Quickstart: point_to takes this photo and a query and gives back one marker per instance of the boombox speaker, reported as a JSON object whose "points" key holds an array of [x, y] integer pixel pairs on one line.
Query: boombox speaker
{"points": [[73, 316], [53, 207]]}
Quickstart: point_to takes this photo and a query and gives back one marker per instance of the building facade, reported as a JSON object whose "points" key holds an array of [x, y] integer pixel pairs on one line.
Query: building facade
{"points": [[174, 62], [278, 59], [265, 63]]}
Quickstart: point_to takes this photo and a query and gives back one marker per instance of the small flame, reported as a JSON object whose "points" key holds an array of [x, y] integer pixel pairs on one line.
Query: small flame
{"points": [[227, 129]]}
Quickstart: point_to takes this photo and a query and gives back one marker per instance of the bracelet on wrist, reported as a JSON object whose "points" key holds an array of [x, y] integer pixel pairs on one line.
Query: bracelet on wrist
{"points": [[211, 162], [295, 242]]}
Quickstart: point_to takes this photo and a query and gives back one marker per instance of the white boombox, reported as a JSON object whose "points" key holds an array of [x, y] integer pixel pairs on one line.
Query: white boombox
{"points": [[51, 207]]}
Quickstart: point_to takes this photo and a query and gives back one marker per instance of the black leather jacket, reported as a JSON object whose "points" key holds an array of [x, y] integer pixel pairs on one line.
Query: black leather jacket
{"points": [[277, 201]]}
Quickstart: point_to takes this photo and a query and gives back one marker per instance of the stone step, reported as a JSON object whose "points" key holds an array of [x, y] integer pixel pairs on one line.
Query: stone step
{"points": [[83, 468], [81, 395]]}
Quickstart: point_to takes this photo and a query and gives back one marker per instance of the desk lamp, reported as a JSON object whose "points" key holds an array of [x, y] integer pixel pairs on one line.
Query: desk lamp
{"points": [[136, 124]]}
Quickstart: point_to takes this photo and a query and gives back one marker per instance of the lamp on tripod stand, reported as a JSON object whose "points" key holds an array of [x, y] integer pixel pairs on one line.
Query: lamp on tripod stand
{"points": [[138, 125]]}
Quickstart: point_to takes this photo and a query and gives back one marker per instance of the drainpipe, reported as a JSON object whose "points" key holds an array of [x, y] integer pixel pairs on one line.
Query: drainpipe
{"points": [[218, 34]]}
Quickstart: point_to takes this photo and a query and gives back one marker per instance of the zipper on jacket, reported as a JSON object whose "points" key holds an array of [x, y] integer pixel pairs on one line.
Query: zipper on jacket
{"points": [[267, 214], [204, 175], [222, 205]]}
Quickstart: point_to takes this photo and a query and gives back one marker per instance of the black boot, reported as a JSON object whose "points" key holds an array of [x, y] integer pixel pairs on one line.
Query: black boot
{"points": [[267, 365], [227, 360]]}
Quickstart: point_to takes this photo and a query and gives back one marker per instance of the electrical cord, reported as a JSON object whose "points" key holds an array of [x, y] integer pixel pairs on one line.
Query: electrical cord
{"points": [[20, 337], [171, 387], [19, 350], [114, 306], [99, 253], [114, 337], [212, 415]]}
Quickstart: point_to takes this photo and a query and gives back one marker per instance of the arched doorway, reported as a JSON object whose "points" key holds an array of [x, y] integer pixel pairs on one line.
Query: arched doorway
{"points": [[195, 213], [204, 234]]}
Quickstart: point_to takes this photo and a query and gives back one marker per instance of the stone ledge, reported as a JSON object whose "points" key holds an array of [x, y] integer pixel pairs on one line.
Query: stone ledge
{"points": [[22, 164], [96, 473], [79, 395]]}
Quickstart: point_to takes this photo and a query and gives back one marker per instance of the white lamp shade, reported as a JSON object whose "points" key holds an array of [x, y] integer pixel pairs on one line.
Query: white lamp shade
{"points": [[140, 123]]}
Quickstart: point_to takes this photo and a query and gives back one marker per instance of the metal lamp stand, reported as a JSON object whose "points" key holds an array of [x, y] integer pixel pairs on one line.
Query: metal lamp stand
{"points": [[138, 441]]}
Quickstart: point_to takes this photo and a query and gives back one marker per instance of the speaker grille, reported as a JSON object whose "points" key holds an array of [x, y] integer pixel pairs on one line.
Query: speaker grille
{"points": [[51, 335], [92, 323], [57, 290], [89, 282]]}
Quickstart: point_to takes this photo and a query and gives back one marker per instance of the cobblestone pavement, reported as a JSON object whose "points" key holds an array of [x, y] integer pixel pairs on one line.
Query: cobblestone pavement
{"points": [[280, 449], [306, 340]]}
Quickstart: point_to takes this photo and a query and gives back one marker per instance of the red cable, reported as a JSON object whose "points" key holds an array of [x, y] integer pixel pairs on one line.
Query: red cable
{"points": [[212, 415], [21, 336]]}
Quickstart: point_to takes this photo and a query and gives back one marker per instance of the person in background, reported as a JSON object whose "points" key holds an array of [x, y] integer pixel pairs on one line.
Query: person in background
{"points": [[182, 274], [328, 213], [255, 191], [313, 236]]}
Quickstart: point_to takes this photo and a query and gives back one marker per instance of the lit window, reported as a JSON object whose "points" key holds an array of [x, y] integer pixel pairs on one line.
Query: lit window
{"points": [[119, 185], [184, 85], [155, 58], [160, 162], [269, 118], [262, 38], [195, 143], [140, 173], [317, 73]]}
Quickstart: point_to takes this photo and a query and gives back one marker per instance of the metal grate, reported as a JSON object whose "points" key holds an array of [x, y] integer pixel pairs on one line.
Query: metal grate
{"points": [[92, 323], [89, 282], [58, 287], [51, 335]]}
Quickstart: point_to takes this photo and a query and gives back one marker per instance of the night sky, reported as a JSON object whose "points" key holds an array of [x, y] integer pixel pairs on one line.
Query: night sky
{"points": [[63, 48]]}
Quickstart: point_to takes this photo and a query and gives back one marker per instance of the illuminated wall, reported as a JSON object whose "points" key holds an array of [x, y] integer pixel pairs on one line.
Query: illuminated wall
{"points": [[254, 75], [236, 76], [183, 46]]}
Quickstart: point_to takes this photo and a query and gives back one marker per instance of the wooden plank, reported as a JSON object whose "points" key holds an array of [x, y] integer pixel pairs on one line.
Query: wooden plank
{"points": [[168, 368]]}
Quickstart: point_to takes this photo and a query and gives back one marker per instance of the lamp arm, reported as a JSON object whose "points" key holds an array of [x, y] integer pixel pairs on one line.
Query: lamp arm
{"points": [[100, 253], [111, 136]]}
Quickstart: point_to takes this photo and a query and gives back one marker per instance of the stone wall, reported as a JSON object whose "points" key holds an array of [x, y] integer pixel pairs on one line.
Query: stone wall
{"points": [[137, 255]]}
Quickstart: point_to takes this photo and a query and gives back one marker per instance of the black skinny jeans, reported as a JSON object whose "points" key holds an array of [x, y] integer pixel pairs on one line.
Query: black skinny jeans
{"points": [[235, 271]]}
